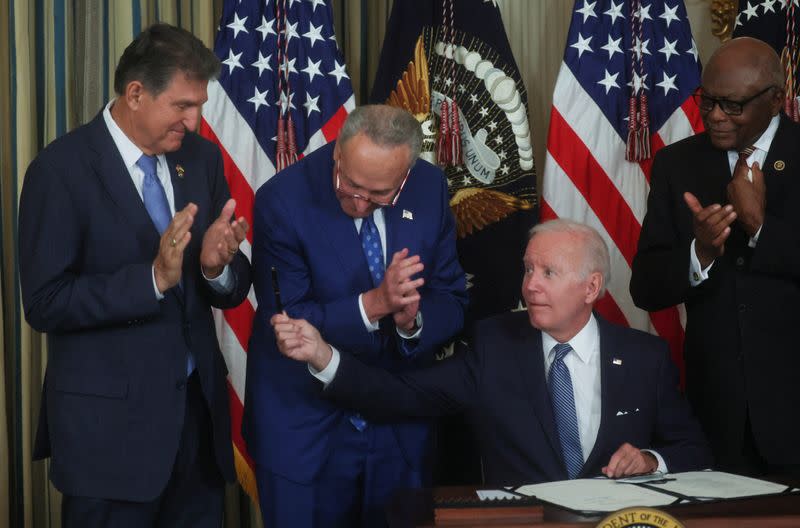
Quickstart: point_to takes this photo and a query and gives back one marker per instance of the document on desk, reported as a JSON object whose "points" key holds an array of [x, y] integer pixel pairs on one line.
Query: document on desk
{"points": [[607, 495], [710, 485], [595, 495]]}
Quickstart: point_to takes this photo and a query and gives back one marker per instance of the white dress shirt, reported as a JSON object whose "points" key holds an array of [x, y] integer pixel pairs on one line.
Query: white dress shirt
{"points": [[697, 274], [130, 155]]}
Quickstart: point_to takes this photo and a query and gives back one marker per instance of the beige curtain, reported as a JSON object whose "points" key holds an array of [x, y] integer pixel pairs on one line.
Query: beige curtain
{"points": [[73, 94]]}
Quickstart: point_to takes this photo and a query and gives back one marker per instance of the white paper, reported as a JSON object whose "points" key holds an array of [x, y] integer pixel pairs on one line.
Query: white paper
{"points": [[597, 495], [496, 495], [718, 485]]}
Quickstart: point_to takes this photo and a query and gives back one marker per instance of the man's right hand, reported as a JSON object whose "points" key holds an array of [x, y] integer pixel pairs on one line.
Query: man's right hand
{"points": [[397, 290], [711, 228], [299, 340], [169, 261]]}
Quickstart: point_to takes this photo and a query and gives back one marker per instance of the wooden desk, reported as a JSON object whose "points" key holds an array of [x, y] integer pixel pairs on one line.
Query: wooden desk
{"points": [[415, 508]]}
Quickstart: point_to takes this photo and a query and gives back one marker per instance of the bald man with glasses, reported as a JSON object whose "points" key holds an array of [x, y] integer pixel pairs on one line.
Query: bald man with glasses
{"points": [[722, 236], [362, 241]]}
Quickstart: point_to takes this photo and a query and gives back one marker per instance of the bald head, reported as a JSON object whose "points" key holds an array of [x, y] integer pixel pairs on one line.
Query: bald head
{"points": [[748, 71], [750, 56]]}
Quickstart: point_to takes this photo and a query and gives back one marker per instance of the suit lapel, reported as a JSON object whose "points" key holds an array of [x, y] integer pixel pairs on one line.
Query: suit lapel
{"points": [[114, 176], [180, 198], [781, 154], [531, 368], [612, 381], [336, 227]]}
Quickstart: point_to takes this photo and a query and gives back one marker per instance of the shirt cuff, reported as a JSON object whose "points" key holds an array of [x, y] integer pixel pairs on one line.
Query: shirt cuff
{"points": [[159, 295], [369, 325], [754, 239], [696, 273], [662, 466], [417, 324], [222, 284], [327, 374]]}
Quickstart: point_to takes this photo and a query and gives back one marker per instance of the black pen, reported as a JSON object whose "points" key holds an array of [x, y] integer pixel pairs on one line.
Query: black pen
{"points": [[276, 290]]}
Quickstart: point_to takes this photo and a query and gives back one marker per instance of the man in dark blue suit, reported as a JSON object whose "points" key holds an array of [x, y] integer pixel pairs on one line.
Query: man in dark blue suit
{"points": [[551, 394], [125, 243], [362, 240]]}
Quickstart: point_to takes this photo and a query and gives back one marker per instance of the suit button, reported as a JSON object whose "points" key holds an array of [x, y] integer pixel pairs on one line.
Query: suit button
{"points": [[739, 262], [742, 307], [180, 384]]}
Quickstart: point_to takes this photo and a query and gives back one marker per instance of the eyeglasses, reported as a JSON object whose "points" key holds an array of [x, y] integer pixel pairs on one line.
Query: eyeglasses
{"points": [[379, 203], [734, 108]]}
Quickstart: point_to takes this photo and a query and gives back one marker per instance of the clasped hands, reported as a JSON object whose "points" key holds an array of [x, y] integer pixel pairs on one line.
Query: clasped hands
{"points": [[398, 293], [220, 244], [712, 223]]}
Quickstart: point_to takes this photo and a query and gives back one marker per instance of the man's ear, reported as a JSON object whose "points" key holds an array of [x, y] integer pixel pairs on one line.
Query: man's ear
{"points": [[134, 92], [594, 285]]}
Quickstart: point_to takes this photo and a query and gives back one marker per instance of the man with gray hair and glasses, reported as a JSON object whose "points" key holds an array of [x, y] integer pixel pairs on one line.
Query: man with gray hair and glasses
{"points": [[358, 239], [552, 393], [722, 236]]}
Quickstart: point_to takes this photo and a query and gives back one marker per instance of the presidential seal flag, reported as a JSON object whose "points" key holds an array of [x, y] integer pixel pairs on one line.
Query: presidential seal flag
{"points": [[450, 64], [624, 90], [282, 93]]}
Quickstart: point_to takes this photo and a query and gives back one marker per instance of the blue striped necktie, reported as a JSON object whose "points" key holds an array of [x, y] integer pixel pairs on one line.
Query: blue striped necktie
{"points": [[563, 401]]}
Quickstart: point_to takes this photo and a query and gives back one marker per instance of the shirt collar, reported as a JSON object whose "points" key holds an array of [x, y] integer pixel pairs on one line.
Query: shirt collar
{"points": [[128, 150], [765, 140], [584, 343]]}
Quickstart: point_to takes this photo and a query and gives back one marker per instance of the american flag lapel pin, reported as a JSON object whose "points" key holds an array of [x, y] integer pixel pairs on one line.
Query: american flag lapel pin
{"points": [[616, 361], [179, 170], [407, 215]]}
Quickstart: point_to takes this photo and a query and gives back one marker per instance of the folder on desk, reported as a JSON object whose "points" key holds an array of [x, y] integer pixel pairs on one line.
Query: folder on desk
{"points": [[606, 495]]}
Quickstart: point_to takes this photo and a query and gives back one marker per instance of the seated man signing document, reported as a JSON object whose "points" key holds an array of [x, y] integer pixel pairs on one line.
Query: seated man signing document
{"points": [[559, 394]]}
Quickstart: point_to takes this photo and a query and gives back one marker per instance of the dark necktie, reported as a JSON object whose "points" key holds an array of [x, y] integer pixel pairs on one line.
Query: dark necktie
{"points": [[153, 195], [563, 401], [743, 155]]}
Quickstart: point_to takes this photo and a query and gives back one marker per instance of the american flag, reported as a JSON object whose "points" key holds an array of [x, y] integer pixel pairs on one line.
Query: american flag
{"points": [[255, 39], [586, 174]]}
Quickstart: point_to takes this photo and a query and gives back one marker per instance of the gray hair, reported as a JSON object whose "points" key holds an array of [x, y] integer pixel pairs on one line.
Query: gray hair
{"points": [[596, 257], [385, 126]]}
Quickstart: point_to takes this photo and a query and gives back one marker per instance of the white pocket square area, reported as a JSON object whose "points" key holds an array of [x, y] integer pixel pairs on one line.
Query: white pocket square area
{"points": [[627, 411]]}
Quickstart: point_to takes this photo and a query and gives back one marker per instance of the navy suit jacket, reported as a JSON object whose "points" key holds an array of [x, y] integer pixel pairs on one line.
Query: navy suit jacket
{"points": [[301, 230], [114, 391], [500, 384], [741, 323]]}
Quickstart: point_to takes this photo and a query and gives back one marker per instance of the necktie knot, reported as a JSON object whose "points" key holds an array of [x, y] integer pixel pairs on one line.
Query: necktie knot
{"points": [[561, 350], [745, 152], [147, 164]]}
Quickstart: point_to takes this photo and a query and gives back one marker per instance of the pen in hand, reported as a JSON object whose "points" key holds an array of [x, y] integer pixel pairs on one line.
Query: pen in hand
{"points": [[277, 291]]}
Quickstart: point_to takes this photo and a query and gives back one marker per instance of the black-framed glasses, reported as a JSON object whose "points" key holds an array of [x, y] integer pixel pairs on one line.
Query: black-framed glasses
{"points": [[379, 203], [734, 108]]}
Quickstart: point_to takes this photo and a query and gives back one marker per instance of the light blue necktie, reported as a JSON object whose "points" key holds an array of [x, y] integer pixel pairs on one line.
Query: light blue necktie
{"points": [[153, 195], [563, 400], [371, 244], [155, 201]]}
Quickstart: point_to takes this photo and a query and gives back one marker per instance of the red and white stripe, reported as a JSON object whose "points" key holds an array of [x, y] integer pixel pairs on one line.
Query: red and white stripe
{"points": [[586, 178], [246, 167]]}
